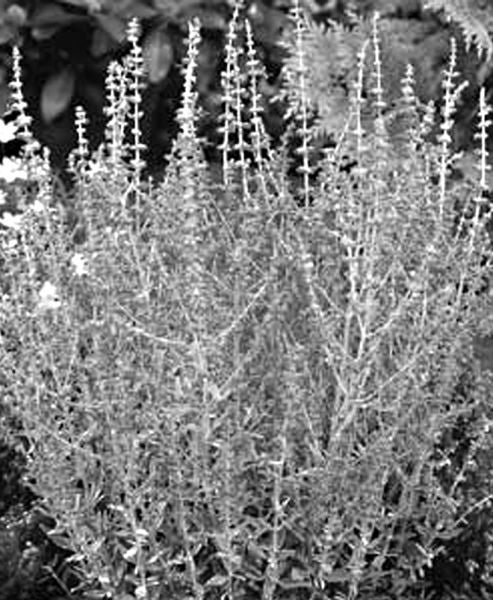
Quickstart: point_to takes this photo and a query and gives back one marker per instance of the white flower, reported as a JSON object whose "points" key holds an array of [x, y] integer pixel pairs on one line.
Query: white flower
{"points": [[9, 245], [12, 169], [141, 534], [8, 131], [3, 198], [48, 297], [11, 221], [79, 263], [141, 591], [131, 553], [94, 167], [37, 206]]}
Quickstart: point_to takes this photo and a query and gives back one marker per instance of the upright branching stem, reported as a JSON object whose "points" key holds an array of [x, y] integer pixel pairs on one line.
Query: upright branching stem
{"points": [[189, 151], [352, 238], [182, 519]]}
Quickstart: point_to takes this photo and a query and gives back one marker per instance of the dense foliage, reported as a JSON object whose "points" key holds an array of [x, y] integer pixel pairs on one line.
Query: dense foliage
{"points": [[260, 381]]}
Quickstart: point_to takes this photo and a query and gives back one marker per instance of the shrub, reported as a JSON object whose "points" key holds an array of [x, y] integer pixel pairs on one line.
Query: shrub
{"points": [[246, 386]]}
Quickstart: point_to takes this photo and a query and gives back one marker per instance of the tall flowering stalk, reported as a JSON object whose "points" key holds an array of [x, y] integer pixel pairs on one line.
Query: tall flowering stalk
{"points": [[230, 75], [190, 160], [303, 112], [116, 112], [135, 66]]}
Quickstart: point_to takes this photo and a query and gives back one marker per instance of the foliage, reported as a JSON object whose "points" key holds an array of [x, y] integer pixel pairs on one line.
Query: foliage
{"points": [[473, 16], [327, 81], [333, 46], [248, 385], [42, 22], [67, 46]]}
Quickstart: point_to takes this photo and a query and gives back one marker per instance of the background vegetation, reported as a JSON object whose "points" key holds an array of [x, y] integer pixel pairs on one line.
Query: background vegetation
{"points": [[67, 46]]}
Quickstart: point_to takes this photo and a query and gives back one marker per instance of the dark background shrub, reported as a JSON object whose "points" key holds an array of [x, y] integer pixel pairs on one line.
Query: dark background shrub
{"points": [[67, 46]]}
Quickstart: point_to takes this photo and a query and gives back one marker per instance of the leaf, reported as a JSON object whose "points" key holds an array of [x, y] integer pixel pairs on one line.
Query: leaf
{"points": [[113, 25], [141, 11], [6, 33], [58, 537], [53, 15], [212, 20], [91, 5], [217, 581], [16, 15], [126, 9], [158, 55], [131, 554], [298, 574], [102, 43], [44, 33], [57, 94], [475, 20], [49, 19]]}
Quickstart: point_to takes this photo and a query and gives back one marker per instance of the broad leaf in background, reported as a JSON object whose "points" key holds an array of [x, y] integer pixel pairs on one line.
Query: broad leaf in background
{"points": [[113, 25], [57, 94], [90, 5], [48, 19], [158, 55], [14, 18]]}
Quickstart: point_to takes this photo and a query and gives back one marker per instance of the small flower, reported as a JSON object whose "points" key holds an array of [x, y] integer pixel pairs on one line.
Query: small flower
{"points": [[48, 297], [141, 534], [11, 221], [130, 554], [3, 198], [8, 132], [79, 263], [38, 207], [9, 246], [94, 167], [12, 169]]}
